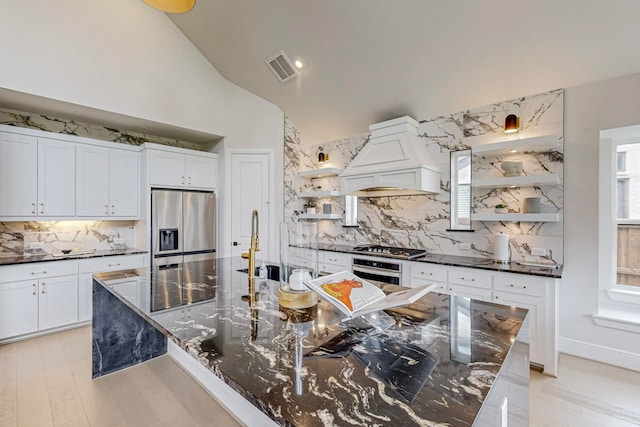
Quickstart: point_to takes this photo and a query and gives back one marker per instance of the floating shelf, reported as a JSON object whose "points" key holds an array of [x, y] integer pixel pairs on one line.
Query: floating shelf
{"points": [[320, 173], [319, 194], [516, 181], [516, 217], [320, 216], [534, 144]]}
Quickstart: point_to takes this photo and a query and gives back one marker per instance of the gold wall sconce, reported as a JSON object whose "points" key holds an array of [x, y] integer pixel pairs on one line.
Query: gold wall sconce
{"points": [[511, 124]]}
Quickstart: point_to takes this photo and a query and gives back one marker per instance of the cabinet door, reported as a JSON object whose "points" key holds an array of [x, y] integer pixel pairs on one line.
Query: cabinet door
{"points": [[92, 167], [201, 172], [123, 183], [58, 305], [18, 175], [56, 178], [166, 168], [18, 308], [533, 328]]}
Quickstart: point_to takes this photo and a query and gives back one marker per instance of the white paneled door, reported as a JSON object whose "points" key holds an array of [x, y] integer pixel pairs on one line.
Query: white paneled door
{"points": [[249, 191]]}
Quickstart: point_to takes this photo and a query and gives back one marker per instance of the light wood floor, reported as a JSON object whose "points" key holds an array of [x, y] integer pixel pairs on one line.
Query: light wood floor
{"points": [[47, 381]]}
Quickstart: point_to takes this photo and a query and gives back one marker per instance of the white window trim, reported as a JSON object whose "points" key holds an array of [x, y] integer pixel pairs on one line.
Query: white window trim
{"points": [[453, 194], [613, 297]]}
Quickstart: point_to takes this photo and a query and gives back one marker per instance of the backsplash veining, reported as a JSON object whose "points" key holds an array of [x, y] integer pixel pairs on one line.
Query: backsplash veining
{"points": [[72, 127], [422, 221], [55, 236]]}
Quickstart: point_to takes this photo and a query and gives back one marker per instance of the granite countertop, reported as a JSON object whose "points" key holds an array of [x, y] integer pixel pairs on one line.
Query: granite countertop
{"points": [[459, 261], [431, 362], [9, 259]]}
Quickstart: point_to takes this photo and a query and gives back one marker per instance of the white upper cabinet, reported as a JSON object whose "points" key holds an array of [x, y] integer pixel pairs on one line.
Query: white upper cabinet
{"points": [[174, 168], [38, 177], [107, 181], [201, 171]]}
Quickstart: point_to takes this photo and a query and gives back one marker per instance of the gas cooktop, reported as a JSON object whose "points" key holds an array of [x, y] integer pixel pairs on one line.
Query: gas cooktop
{"points": [[390, 251]]}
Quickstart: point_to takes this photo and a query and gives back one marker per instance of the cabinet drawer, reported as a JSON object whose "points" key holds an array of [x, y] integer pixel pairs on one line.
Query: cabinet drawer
{"points": [[428, 272], [473, 292], [521, 285], [37, 270], [111, 263], [468, 277], [414, 282], [335, 259]]}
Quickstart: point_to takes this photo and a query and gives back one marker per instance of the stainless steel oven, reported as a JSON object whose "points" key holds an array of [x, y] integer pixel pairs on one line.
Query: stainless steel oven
{"points": [[380, 272]]}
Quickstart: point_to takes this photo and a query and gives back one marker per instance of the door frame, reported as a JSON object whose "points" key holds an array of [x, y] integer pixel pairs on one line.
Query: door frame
{"points": [[271, 225]]}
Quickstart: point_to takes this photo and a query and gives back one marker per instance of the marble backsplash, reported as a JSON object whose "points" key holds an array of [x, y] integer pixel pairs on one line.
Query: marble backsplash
{"points": [[423, 221], [55, 236]]}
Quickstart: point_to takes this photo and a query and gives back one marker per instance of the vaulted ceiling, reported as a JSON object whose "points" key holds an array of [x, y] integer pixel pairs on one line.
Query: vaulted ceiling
{"points": [[370, 60]]}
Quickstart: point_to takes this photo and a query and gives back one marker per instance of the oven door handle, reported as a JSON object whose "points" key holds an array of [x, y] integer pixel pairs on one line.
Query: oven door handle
{"points": [[375, 270]]}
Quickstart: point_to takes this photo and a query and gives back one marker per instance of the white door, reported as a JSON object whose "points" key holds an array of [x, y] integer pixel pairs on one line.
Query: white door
{"points": [[249, 191], [18, 175], [18, 308], [92, 183], [56, 178], [58, 302], [123, 183]]}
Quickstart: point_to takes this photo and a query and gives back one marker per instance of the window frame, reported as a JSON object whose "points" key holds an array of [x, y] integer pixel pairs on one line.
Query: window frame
{"points": [[608, 221], [454, 220]]}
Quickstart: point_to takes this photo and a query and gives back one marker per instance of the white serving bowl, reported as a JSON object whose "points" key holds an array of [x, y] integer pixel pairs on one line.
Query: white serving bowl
{"points": [[511, 168]]}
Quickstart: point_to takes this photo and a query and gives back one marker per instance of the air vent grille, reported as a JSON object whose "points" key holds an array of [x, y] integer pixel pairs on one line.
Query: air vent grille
{"points": [[282, 67]]}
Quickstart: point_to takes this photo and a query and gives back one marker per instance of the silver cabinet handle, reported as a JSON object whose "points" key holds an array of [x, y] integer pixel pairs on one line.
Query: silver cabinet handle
{"points": [[106, 209], [114, 265], [33, 208], [113, 210], [36, 272], [189, 180], [41, 208], [34, 288], [182, 177], [43, 287]]}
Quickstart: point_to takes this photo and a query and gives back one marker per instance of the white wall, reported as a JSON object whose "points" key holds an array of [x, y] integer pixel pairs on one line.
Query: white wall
{"points": [[588, 109], [124, 57]]}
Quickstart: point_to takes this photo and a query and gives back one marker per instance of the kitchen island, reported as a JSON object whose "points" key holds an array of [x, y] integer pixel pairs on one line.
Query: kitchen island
{"points": [[442, 361]]}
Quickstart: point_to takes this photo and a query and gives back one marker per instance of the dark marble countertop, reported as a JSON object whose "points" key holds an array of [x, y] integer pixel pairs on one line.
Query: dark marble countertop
{"points": [[460, 261], [8, 259], [430, 363]]}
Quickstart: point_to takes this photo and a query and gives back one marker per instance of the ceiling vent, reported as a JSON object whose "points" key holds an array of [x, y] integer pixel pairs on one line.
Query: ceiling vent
{"points": [[282, 67]]}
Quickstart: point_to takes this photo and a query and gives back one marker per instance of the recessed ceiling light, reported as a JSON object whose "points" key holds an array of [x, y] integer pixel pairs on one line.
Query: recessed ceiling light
{"points": [[514, 151], [298, 63]]}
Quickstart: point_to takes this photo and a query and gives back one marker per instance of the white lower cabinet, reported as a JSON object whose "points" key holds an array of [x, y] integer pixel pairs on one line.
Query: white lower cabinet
{"points": [[37, 297], [539, 295], [48, 299], [18, 308], [96, 265], [333, 262]]}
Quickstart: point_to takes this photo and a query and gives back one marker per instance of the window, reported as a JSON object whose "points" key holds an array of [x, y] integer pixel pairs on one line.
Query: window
{"points": [[461, 190], [619, 228]]}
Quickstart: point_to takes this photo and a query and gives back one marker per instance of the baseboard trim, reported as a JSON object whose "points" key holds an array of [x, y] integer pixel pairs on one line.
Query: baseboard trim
{"points": [[602, 354], [236, 405]]}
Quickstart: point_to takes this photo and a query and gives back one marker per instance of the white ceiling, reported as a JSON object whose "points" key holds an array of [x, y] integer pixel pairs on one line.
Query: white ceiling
{"points": [[372, 60]]}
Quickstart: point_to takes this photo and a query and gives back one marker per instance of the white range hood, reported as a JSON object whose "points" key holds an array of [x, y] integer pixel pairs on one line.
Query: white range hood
{"points": [[395, 162]]}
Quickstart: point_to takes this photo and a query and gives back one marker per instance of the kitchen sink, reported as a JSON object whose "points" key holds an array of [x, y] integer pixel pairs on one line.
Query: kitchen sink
{"points": [[273, 272]]}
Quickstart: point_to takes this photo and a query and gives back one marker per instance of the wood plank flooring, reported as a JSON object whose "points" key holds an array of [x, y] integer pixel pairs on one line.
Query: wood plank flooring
{"points": [[46, 381]]}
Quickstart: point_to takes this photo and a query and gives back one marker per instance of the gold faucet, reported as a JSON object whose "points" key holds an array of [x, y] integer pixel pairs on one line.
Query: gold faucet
{"points": [[254, 246]]}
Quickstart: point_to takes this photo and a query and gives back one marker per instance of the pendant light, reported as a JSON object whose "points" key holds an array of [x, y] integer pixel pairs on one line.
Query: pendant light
{"points": [[171, 6]]}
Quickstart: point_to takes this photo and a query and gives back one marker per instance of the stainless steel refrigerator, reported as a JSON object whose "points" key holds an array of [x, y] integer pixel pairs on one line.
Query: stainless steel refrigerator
{"points": [[183, 226]]}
